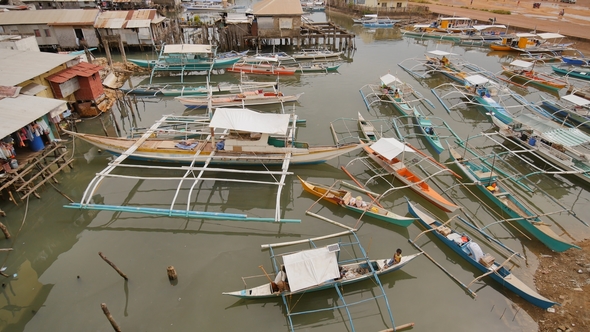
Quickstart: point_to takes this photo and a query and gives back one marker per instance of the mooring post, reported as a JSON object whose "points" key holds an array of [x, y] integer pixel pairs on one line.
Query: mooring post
{"points": [[172, 273]]}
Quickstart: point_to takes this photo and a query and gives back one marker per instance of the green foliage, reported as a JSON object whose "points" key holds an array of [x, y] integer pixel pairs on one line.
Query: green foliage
{"points": [[197, 19], [497, 11]]}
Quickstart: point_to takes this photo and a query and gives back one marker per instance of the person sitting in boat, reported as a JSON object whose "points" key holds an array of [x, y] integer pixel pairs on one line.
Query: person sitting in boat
{"points": [[352, 202], [429, 130], [397, 257], [493, 187], [359, 203], [220, 145], [281, 281], [474, 251], [396, 93], [444, 61]]}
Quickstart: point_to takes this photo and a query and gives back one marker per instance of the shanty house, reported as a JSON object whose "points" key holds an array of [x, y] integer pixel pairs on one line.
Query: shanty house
{"points": [[277, 18], [53, 29], [140, 28], [390, 4], [61, 4]]}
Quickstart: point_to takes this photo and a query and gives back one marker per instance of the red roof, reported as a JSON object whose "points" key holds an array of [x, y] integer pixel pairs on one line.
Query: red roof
{"points": [[83, 69]]}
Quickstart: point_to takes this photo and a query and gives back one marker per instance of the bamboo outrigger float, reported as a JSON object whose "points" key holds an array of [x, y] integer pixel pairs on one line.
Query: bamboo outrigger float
{"points": [[243, 137]]}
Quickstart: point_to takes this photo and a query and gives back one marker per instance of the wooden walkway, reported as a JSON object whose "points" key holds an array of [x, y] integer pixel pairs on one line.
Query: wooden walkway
{"points": [[34, 170]]}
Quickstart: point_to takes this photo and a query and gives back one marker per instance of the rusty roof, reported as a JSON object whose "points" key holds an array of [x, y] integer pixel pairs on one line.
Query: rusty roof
{"points": [[50, 17], [83, 69], [278, 8], [127, 18]]}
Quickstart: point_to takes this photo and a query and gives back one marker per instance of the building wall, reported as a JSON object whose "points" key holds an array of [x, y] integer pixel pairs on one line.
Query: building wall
{"points": [[44, 34], [279, 27], [47, 93], [66, 36], [24, 44], [90, 88]]}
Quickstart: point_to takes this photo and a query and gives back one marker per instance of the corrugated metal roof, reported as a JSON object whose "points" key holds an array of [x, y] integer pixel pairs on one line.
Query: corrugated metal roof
{"points": [[83, 69], [138, 24], [278, 7], [121, 18], [22, 110], [50, 17], [19, 66]]}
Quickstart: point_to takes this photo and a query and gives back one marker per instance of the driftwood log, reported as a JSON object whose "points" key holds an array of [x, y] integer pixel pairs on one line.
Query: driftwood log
{"points": [[113, 266], [172, 273], [5, 231], [110, 317]]}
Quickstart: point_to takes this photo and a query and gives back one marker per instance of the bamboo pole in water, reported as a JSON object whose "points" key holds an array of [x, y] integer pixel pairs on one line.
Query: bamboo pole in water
{"points": [[113, 266], [107, 313], [398, 328]]}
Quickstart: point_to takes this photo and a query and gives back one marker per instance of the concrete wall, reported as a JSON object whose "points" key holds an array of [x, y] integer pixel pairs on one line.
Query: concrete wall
{"points": [[23, 44]]}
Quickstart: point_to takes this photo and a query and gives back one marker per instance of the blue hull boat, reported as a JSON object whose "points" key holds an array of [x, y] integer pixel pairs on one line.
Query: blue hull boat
{"points": [[461, 244]]}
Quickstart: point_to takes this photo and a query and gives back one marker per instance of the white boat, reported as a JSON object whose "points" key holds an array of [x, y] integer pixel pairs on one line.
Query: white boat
{"points": [[245, 98], [243, 137], [316, 54]]}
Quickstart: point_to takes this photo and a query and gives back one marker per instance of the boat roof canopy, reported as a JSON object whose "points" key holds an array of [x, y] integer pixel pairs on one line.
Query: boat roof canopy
{"points": [[455, 19], [550, 35], [579, 101], [248, 120], [553, 131], [526, 35], [421, 25], [388, 79], [268, 58], [187, 48], [483, 27], [390, 147], [521, 63], [439, 52], [476, 79], [311, 267]]}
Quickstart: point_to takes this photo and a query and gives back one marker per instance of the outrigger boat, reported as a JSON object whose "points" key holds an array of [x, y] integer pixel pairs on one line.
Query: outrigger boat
{"points": [[385, 152], [533, 43], [345, 199], [315, 54], [380, 22], [568, 148], [187, 57], [368, 130], [524, 71], [428, 131], [462, 244], [486, 181], [247, 138], [572, 72], [184, 89], [263, 66], [245, 98], [323, 267], [392, 91], [572, 107], [479, 90]]}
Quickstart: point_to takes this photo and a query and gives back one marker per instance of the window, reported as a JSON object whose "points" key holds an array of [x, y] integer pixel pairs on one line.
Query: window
{"points": [[399, 5], [37, 33], [47, 33]]}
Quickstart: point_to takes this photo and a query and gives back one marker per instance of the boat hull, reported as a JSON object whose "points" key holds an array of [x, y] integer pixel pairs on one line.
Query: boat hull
{"points": [[341, 197], [196, 66], [502, 276], [412, 181], [300, 156], [577, 73], [509, 205]]}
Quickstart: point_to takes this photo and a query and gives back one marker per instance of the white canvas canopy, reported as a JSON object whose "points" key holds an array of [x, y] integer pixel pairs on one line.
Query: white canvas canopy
{"points": [[526, 35], [483, 27], [550, 35], [310, 268], [421, 25], [579, 101], [268, 58], [248, 120], [454, 19], [389, 79], [520, 63], [187, 48], [390, 147], [439, 52], [476, 79]]}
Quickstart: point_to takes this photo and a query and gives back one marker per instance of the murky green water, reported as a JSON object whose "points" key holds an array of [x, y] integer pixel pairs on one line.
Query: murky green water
{"points": [[61, 281]]}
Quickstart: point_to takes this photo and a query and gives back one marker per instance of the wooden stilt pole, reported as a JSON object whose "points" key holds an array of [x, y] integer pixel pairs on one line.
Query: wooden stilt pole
{"points": [[113, 266], [5, 231], [110, 317]]}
